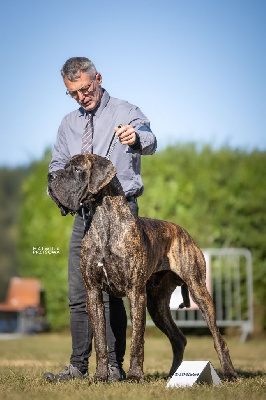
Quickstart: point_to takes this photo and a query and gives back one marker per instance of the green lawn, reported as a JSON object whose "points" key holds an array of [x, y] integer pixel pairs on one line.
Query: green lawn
{"points": [[23, 361]]}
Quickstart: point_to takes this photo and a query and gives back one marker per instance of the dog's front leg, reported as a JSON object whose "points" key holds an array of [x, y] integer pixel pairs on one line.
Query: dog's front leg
{"points": [[95, 310], [138, 320]]}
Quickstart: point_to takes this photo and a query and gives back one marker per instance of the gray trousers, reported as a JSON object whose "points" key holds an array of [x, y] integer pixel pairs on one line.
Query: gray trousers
{"points": [[80, 326]]}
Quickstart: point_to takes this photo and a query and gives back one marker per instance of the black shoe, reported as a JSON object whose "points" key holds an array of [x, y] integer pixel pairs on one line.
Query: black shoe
{"points": [[116, 373], [69, 373]]}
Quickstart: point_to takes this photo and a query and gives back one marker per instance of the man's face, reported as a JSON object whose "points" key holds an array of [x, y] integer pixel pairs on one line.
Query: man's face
{"points": [[85, 90]]}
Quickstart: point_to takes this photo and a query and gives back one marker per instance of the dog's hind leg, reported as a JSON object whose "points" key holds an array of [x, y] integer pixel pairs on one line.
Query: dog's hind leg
{"points": [[202, 298], [159, 289]]}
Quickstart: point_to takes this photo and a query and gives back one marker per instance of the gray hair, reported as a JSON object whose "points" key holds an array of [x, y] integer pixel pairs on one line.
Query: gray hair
{"points": [[75, 65]]}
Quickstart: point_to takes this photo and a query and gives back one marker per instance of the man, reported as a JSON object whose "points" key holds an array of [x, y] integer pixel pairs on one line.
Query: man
{"points": [[90, 129]]}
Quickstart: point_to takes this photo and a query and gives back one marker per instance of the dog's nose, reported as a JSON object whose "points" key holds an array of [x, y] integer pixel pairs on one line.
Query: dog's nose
{"points": [[51, 176]]}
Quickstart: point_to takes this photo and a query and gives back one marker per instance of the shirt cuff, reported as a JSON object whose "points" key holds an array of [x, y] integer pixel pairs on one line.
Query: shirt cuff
{"points": [[136, 145]]}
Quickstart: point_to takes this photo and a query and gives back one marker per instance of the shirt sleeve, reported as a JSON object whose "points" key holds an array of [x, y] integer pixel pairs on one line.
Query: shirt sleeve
{"points": [[61, 152], [147, 142]]}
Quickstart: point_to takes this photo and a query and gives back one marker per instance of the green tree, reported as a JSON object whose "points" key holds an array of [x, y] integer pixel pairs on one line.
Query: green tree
{"points": [[218, 196], [10, 198], [42, 226]]}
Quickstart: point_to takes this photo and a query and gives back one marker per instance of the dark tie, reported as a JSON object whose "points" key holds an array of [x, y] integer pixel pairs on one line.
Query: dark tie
{"points": [[86, 146]]}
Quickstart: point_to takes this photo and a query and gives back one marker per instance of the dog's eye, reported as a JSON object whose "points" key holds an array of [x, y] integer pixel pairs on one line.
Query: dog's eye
{"points": [[77, 169]]}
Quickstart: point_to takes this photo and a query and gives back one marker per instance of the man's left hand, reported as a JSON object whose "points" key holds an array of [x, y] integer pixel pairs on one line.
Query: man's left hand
{"points": [[126, 134]]}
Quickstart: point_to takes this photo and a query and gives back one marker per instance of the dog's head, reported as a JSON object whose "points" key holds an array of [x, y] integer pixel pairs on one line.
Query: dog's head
{"points": [[83, 177]]}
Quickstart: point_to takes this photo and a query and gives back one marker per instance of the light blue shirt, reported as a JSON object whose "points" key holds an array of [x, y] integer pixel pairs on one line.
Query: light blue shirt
{"points": [[110, 113]]}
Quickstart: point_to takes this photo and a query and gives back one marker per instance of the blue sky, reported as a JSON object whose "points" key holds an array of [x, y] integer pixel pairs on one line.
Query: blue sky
{"points": [[196, 68]]}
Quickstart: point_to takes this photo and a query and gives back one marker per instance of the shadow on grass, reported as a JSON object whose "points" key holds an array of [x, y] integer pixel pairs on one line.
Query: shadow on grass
{"points": [[249, 374], [156, 376]]}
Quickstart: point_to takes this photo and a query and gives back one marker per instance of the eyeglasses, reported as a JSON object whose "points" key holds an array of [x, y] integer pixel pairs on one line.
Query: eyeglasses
{"points": [[85, 90]]}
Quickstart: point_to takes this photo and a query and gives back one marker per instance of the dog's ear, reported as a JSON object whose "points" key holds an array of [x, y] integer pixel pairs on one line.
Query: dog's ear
{"points": [[102, 172]]}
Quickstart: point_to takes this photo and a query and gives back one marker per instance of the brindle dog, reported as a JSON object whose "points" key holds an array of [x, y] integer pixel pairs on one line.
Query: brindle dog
{"points": [[143, 259]]}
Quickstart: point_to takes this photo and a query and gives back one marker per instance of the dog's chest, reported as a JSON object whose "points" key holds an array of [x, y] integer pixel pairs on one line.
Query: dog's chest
{"points": [[104, 264], [115, 254], [112, 278]]}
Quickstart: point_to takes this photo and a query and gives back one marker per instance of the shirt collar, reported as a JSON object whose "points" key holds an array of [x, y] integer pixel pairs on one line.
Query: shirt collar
{"points": [[103, 102]]}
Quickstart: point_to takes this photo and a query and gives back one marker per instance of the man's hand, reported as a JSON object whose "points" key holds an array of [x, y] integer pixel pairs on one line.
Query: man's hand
{"points": [[126, 134]]}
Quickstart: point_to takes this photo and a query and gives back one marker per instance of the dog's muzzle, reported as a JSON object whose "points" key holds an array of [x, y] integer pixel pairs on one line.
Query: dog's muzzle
{"points": [[51, 176]]}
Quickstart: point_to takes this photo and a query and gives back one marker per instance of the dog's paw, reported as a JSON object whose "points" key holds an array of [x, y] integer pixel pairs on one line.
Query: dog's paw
{"points": [[230, 377], [135, 376], [100, 377]]}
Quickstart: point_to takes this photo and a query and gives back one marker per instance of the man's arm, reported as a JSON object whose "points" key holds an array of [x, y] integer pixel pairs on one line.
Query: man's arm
{"points": [[60, 152], [137, 133]]}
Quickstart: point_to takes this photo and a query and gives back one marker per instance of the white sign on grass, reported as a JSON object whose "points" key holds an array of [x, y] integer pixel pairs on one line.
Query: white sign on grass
{"points": [[191, 372]]}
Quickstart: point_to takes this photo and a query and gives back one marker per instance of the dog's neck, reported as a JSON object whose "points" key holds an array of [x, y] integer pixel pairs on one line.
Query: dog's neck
{"points": [[109, 207], [112, 189]]}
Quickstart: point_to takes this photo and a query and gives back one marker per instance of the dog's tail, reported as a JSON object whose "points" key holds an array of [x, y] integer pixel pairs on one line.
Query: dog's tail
{"points": [[185, 295]]}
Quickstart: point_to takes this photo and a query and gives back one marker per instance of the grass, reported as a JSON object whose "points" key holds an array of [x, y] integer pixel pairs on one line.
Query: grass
{"points": [[23, 362]]}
